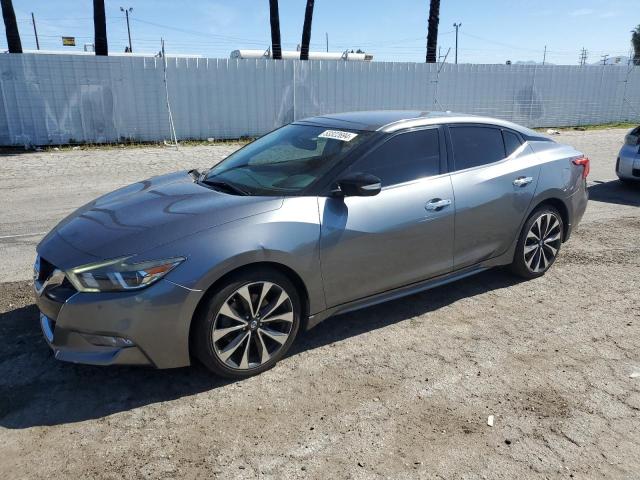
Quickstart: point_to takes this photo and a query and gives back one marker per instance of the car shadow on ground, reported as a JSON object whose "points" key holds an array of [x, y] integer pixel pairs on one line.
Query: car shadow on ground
{"points": [[615, 191], [36, 390]]}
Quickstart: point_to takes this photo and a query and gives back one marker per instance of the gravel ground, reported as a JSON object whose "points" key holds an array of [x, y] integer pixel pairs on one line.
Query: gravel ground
{"points": [[400, 390]]}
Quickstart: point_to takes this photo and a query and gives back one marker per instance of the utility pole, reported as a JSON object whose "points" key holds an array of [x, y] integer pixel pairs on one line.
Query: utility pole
{"points": [[327, 38], [35, 31], [126, 12], [604, 59], [457, 26], [544, 55], [583, 57]]}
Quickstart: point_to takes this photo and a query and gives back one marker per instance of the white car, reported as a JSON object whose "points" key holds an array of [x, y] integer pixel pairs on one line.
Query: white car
{"points": [[628, 163]]}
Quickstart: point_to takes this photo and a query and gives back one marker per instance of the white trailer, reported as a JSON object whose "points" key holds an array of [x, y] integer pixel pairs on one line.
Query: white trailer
{"points": [[295, 55]]}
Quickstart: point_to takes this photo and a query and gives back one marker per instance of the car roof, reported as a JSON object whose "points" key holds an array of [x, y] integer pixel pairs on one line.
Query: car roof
{"points": [[368, 120], [393, 120]]}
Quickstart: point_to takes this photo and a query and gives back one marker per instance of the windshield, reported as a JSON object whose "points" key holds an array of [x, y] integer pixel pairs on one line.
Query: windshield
{"points": [[285, 161]]}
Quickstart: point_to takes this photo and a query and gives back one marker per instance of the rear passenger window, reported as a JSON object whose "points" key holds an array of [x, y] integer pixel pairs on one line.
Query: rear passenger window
{"points": [[403, 158], [474, 146], [511, 142]]}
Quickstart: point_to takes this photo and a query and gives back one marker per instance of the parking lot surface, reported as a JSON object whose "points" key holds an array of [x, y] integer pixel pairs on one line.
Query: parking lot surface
{"points": [[400, 390]]}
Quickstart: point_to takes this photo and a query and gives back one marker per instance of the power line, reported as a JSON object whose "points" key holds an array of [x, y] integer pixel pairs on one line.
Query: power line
{"points": [[477, 37], [388, 45], [224, 44], [216, 44], [193, 32]]}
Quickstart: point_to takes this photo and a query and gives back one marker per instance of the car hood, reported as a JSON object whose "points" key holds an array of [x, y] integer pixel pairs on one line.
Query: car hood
{"points": [[151, 213]]}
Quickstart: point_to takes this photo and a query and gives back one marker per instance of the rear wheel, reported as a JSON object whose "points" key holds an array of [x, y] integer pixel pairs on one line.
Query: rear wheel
{"points": [[539, 243], [248, 324]]}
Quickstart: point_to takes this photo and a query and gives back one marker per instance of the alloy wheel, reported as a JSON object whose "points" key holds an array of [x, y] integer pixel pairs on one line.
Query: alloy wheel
{"points": [[542, 243], [252, 325]]}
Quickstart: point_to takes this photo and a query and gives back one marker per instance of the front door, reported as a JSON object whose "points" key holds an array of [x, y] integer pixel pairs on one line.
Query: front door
{"points": [[402, 235]]}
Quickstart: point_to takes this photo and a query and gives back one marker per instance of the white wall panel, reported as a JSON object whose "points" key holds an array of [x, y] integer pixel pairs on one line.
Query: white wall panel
{"points": [[52, 99]]}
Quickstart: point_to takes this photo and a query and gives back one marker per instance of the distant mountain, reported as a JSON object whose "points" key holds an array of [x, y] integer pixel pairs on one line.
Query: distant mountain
{"points": [[531, 62], [618, 60]]}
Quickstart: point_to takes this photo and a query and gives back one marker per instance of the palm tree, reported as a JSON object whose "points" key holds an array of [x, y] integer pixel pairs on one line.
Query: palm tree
{"points": [[11, 27], [635, 41], [276, 46], [306, 31], [100, 28], [432, 33]]}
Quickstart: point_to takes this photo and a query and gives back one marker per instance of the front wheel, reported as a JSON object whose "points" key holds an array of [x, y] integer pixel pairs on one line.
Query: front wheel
{"points": [[539, 243], [248, 324]]}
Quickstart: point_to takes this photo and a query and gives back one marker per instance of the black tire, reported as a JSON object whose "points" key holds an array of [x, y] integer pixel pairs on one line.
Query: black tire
{"points": [[208, 351], [522, 260]]}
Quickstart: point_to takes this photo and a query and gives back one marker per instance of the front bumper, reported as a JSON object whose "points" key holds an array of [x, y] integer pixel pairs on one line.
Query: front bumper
{"points": [[73, 347], [152, 325]]}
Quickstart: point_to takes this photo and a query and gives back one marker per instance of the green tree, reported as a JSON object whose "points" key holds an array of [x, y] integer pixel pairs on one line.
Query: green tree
{"points": [[635, 41]]}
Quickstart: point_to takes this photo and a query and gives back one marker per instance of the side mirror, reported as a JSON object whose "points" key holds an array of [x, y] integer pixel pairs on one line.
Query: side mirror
{"points": [[358, 185]]}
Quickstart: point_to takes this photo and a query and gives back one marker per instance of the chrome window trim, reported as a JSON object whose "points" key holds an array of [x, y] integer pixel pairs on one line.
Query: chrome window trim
{"points": [[414, 181]]}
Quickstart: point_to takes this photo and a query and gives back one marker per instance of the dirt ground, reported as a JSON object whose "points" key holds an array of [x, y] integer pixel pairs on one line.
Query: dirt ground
{"points": [[400, 390]]}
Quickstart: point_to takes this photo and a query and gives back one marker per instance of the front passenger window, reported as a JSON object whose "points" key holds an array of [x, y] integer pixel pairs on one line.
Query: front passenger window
{"points": [[405, 157], [475, 146]]}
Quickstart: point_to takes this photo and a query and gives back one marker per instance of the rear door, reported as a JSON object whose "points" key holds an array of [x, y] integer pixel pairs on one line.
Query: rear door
{"points": [[494, 178], [402, 235]]}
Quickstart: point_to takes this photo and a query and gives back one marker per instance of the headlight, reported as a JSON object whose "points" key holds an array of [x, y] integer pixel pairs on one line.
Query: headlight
{"points": [[118, 275]]}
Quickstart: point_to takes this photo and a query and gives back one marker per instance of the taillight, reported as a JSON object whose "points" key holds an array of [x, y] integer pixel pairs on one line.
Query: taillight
{"points": [[585, 164]]}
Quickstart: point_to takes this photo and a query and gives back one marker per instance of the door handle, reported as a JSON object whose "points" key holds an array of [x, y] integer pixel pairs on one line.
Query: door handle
{"points": [[522, 181], [437, 204]]}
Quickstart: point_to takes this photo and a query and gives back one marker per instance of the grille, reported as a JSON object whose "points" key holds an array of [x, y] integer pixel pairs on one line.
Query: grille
{"points": [[46, 269], [59, 292]]}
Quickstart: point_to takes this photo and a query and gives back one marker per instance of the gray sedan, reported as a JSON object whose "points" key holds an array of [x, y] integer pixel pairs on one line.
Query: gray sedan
{"points": [[322, 216], [628, 163]]}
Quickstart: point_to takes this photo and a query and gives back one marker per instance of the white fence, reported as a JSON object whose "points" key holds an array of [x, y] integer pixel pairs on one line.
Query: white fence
{"points": [[55, 99]]}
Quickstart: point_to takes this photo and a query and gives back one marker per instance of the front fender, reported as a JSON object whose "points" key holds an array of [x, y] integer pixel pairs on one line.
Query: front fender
{"points": [[287, 236]]}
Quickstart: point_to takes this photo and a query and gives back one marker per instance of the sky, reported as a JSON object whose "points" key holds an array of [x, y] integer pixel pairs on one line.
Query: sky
{"points": [[492, 31]]}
